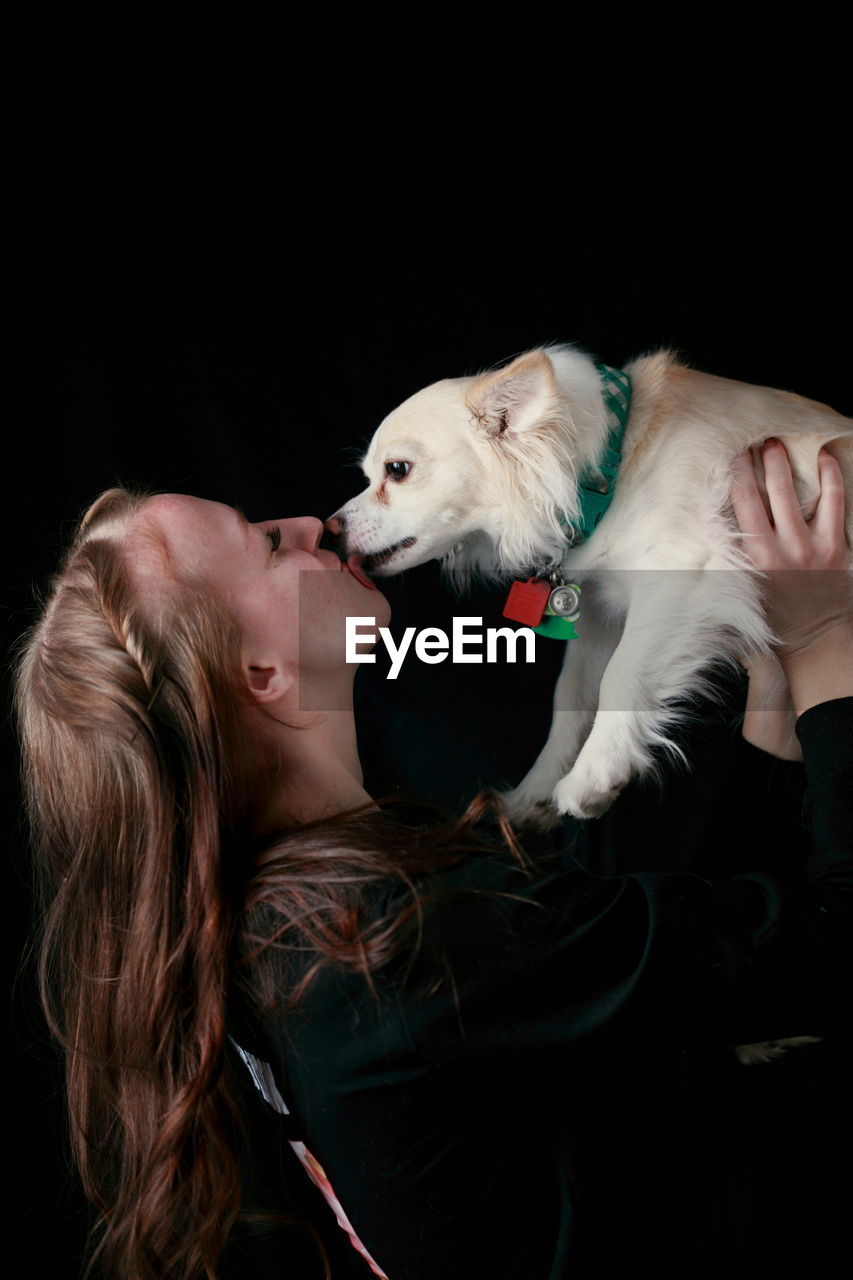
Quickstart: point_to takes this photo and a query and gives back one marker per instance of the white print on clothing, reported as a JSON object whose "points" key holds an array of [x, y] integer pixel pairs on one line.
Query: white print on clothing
{"points": [[432, 644], [264, 1081]]}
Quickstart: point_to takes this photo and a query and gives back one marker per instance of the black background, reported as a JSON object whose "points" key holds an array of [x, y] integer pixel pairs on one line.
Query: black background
{"points": [[235, 328]]}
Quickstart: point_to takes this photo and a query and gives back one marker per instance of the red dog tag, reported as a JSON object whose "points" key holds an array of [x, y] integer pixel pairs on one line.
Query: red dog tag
{"points": [[526, 601]]}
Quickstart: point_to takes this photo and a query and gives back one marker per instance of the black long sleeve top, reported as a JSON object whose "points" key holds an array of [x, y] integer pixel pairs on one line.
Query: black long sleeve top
{"points": [[550, 1107]]}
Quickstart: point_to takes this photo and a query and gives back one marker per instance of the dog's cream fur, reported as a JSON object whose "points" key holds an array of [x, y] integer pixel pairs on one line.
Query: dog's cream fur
{"points": [[667, 589]]}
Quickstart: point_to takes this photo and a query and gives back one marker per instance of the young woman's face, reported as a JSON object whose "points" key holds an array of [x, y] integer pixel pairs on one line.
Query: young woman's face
{"points": [[290, 599]]}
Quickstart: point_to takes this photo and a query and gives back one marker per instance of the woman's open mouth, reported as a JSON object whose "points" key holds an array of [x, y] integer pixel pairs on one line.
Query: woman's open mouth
{"points": [[378, 558]]}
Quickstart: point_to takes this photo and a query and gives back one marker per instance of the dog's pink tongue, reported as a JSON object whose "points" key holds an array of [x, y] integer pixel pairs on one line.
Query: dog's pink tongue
{"points": [[354, 565]]}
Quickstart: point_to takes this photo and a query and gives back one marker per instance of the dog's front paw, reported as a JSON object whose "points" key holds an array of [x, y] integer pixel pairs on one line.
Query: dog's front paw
{"points": [[526, 809], [586, 793]]}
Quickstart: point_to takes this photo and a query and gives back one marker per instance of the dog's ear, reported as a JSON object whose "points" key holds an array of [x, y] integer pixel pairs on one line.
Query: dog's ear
{"points": [[514, 399]]}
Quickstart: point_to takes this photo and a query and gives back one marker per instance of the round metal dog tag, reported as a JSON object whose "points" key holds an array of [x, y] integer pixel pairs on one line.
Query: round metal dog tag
{"points": [[565, 601]]}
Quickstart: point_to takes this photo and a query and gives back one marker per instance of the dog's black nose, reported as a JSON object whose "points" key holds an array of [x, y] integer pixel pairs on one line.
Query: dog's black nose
{"points": [[332, 536]]}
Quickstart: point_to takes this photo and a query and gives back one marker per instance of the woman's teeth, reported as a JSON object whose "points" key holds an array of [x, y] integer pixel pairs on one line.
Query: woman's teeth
{"points": [[374, 561]]}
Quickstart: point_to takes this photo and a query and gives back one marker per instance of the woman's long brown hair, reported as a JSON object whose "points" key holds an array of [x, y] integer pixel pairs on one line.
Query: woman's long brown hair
{"points": [[128, 712], [131, 709]]}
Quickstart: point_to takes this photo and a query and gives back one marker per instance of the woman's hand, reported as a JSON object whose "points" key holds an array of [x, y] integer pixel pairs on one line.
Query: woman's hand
{"points": [[809, 601], [769, 718], [805, 563]]}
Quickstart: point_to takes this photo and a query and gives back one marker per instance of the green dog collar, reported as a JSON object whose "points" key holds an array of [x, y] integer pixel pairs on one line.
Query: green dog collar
{"points": [[596, 484]]}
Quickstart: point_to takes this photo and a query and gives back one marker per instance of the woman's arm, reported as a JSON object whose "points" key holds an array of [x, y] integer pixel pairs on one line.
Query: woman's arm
{"points": [[824, 672]]}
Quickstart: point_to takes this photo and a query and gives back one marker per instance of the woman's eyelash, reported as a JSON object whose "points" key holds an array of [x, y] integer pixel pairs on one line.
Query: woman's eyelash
{"points": [[274, 535]]}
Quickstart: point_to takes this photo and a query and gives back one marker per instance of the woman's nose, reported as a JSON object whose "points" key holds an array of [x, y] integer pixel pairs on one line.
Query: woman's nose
{"points": [[300, 533], [306, 532]]}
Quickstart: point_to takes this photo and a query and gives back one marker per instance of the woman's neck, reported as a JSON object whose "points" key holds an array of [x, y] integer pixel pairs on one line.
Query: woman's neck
{"points": [[313, 770]]}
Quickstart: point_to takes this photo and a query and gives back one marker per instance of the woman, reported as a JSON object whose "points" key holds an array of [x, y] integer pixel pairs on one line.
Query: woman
{"points": [[434, 1010]]}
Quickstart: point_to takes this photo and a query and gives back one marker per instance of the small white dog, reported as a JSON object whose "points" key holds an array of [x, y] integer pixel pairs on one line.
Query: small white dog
{"points": [[489, 474]]}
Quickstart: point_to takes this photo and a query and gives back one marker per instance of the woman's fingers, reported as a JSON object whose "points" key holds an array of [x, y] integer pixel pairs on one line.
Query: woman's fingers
{"points": [[784, 504], [747, 502], [776, 534], [829, 517], [752, 510]]}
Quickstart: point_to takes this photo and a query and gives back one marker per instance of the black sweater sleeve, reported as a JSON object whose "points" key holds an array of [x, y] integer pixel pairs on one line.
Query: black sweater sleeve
{"points": [[826, 736]]}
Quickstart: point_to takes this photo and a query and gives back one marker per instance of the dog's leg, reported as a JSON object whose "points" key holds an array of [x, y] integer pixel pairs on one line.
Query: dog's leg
{"points": [[575, 704], [678, 623]]}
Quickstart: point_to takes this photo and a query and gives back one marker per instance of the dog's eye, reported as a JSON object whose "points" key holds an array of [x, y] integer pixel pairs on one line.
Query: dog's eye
{"points": [[397, 470]]}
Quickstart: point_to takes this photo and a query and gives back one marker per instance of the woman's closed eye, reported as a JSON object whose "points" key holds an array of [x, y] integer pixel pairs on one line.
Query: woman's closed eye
{"points": [[274, 535]]}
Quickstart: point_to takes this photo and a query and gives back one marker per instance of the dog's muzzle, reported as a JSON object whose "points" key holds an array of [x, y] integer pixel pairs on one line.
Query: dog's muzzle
{"points": [[334, 539]]}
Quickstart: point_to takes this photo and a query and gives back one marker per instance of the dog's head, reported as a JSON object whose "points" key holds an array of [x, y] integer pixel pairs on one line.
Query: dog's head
{"points": [[479, 461]]}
